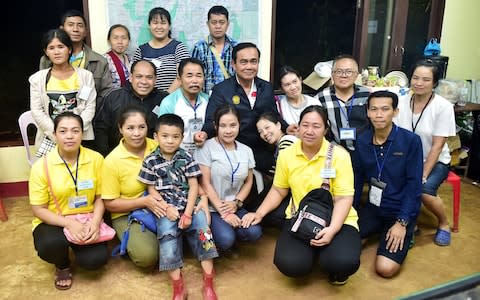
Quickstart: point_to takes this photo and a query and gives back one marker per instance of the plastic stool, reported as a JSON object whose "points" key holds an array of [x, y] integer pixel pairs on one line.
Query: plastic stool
{"points": [[3, 213], [454, 180]]}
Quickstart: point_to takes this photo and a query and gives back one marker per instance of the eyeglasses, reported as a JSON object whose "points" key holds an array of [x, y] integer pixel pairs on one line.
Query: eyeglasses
{"points": [[340, 72]]}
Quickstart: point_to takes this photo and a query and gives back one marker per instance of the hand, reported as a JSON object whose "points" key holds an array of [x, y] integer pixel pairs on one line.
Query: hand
{"points": [[172, 213], [156, 204], [395, 237], [185, 221], [92, 231], [323, 237], [203, 205], [76, 229], [227, 207], [199, 138], [292, 129], [233, 220], [251, 219]]}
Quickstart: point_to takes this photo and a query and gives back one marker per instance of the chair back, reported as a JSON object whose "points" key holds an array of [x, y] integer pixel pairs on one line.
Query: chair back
{"points": [[24, 121]]}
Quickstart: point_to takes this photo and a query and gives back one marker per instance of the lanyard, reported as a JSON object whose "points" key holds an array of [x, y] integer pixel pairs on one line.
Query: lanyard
{"points": [[380, 167], [194, 107], [234, 170], [350, 107], [76, 171], [421, 114]]}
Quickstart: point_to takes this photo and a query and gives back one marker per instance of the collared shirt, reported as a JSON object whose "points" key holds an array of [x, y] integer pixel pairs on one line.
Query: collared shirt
{"points": [[120, 171], [170, 177], [301, 175], [213, 72], [176, 103], [337, 112], [402, 171], [88, 182]]}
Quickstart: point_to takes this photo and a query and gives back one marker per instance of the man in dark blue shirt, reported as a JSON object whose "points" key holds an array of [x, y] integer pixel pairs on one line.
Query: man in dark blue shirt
{"points": [[389, 158]]}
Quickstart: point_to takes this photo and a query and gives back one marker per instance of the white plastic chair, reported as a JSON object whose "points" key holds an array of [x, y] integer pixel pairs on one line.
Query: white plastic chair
{"points": [[24, 121]]}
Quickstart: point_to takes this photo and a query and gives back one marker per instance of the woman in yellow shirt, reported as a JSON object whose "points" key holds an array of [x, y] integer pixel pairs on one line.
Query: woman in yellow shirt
{"points": [[74, 174], [60, 88], [301, 169]]}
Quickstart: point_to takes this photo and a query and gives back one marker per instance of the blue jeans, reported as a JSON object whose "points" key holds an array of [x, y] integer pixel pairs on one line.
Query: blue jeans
{"points": [[198, 236], [225, 235], [438, 174]]}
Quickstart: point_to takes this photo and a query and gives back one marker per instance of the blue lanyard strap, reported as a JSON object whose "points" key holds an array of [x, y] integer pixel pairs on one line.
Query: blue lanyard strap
{"points": [[76, 171], [380, 167], [350, 107], [234, 170], [194, 107]]}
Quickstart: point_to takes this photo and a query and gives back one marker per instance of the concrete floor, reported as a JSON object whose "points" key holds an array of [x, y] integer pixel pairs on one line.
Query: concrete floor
{"points": [[250, 273]]}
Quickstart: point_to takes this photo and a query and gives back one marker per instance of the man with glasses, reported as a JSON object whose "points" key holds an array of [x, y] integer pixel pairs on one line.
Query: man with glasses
{"points": [[251, 96], [215, 51], [345, 103]]}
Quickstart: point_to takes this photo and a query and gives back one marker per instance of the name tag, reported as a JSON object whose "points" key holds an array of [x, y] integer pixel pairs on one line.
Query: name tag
{"points": [[85, 185], [84, 92], [328, 173], [77, 201], [348, 133], [195, 125], [376, 191], [156, 110]]}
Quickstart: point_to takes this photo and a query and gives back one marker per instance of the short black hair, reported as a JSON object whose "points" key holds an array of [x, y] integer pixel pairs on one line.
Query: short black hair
{"points": [[217, 10], [286, 70], [131, 110], [189, 60], [429, 64], [135, 63], [343, 56], [241, 46], [319, 110], [384, 94], [224, 110], [66, 115], [72, 13], [170, 120]]}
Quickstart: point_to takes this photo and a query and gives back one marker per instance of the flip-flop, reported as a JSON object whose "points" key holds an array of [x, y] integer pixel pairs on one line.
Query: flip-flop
{"points": [[62, 275], [442, 237]]}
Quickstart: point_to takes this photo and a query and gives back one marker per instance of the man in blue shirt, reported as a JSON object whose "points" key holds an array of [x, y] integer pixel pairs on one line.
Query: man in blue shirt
{"points": [[215, 51], [389, 158]]}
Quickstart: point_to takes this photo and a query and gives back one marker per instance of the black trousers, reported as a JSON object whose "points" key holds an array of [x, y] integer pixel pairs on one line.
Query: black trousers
{"points": [[52, 246], [340, 259]]}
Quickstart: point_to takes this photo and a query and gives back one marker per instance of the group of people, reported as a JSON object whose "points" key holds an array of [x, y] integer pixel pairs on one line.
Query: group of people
{"points": [[183, 136]]}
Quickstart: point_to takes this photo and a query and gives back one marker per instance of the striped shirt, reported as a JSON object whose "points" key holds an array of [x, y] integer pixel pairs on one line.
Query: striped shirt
{"points": [[350, 114], [165, 60], [170, 177]]}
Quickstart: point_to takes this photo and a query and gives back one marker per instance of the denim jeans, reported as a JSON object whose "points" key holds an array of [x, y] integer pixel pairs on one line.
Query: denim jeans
{"points": [[438, 174], [198, 236], [225, 235]]}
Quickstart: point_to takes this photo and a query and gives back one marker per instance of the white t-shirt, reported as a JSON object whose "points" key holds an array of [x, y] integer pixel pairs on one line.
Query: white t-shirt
{"points": [[290, 113], [438, 119], [213, 156]]}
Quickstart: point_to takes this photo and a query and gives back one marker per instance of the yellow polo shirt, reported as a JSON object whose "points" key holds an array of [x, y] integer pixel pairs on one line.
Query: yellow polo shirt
{"points": [[120, 172], [88, 182], [296, 172]]}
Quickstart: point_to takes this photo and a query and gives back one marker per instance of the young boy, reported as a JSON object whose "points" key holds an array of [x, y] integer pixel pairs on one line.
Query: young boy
{"points": [[171, 173]]}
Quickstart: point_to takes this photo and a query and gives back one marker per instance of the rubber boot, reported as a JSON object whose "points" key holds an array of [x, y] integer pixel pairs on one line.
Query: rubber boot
{"points": [[179, 292], [208, 291]]}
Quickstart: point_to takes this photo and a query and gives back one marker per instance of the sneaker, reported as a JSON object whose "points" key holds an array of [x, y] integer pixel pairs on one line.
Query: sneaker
{"points": [[335, 280]]}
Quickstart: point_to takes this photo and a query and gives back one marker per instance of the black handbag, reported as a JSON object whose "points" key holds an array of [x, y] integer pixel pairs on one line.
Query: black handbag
{"points": [[315, 210]]}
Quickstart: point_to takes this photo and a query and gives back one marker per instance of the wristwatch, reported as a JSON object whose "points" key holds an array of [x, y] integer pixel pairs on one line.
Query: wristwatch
{"points": [[239, 203], [402, 222]]}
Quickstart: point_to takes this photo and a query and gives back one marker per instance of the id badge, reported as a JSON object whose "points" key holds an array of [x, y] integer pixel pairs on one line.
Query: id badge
{"points": [[348, 133], [328, 173], [376, 191], [84, 92], [77, 201], [195, 125], [156, 110], [85, 185]]}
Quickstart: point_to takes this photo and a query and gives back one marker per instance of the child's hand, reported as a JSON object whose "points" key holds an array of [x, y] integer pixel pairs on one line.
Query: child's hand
{"points": [[185, 221], [172, 213]]}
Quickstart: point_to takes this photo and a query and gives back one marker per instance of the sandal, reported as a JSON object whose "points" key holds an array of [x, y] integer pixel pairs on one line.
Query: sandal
{"points": [[442, 237], [63, 275]]}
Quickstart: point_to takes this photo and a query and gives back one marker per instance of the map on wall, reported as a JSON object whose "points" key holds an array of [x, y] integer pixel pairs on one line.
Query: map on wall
{"points": [[188, 19]]}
